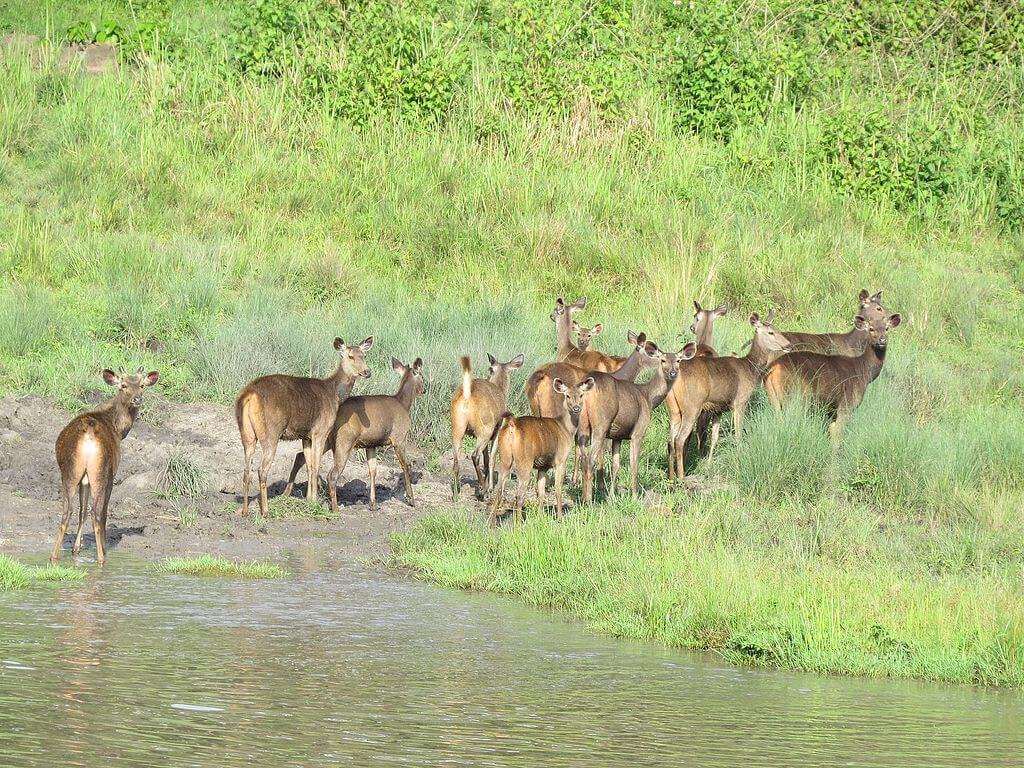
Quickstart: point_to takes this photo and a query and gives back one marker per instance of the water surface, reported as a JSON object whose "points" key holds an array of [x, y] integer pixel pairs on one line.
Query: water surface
{"points": [[342, 665]]}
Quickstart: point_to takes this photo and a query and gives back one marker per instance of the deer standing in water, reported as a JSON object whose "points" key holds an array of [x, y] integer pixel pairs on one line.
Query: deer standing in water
{"points": [[88, 453], [850, 343], [714, 385], [374, 421], [528, 443], [620, 410], [477, 409], [280, 407], [835, 382]]}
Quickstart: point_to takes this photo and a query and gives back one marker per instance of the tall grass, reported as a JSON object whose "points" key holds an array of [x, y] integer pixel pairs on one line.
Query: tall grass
{"points": [[16, 575]]}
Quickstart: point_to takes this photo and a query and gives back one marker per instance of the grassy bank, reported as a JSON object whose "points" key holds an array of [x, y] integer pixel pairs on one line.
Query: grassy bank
{"points": [[16, 575], [796, 587], [251, 183]]}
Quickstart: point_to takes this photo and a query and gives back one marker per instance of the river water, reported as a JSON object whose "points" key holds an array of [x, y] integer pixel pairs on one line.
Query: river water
{"points": [[343, 665]]}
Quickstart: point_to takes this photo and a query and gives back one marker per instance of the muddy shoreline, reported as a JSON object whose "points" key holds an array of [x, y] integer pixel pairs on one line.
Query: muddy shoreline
{"points": [[148, 520]]}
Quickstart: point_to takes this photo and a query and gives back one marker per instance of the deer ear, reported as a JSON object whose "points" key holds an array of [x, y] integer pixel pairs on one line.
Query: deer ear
{"points": [[877, 298], [587, 384], [860, 323], [397, 364], [631, 337], [151, 378], [688, 352], [366, 343], [110, 377], [721, 311], [651, 348], [755, 318], [770, 317], [597, 329], [576, 326], [559, 302], [641, 338], [559, 386], [418, 364], [580, 303], [863, 294], [696, 306], [491, 359], [895, 319], [516, 362]]}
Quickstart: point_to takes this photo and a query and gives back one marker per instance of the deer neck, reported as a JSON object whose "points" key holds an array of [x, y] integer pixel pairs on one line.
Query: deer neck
{"points": [[856, 338], [705, 334], [563, 330], [406, 391], [873, 359], [657, 388], [630, 369], [500, 380], [566, 421], [121, 412], [341, 381], [759, 359]]}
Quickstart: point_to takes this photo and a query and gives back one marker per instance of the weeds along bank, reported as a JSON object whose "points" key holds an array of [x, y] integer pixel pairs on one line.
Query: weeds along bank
{"points": [[237, 196]]}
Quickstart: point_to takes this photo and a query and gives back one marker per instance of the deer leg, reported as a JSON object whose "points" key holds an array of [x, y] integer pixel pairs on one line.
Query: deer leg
{"points": [[485, 456], [739, 411], [100, 496], [523, 478], [499, 493], [577, 464], [269, 451], [634, 461], [478, 467], [81, 520], [716, 427], [542, 481], [616, 465], [492, 468], [597, 461], [340, 460], [249, 448], [835, 429], [559, 481], [300, 460], [65, 518], [406, 475], [371, 471], [681, 437], [671, 453]]}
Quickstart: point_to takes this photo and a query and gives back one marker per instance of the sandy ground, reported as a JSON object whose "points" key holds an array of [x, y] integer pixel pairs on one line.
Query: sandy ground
{"points": [[142, 520]]}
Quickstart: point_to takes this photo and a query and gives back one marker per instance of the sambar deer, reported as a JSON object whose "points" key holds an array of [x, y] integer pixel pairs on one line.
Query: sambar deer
{"points": [[528, 443], [715, 385], [835, 382], [280, 407], [375, 421], [849, 343], [88, 453], [703, 328], [620, 410], [585, 335], [477, 408]]}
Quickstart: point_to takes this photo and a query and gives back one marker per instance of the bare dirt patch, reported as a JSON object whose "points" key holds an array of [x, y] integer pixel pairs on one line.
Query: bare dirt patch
{"points": [[178, 490]]}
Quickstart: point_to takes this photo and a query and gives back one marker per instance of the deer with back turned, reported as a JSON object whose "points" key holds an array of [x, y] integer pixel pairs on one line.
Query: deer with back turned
{"points": [[715, 385], [835, 382], [88, 453], [528, 443], [280, 407], [477, 409]]}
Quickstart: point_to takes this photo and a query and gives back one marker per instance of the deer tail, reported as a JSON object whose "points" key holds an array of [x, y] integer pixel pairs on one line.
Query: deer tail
{"points": [[467, 377]]}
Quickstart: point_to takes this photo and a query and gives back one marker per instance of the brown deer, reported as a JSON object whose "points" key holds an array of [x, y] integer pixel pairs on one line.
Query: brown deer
{"points": [[585, 335], [374, 421], [280, 407], [714, 385], [703, 328], [850, 343], [528, 443], [618, 410], [568, 352], [477, 408], [88, 453], [835, 382]]}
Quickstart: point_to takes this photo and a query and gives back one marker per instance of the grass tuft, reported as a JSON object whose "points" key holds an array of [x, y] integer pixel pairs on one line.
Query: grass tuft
{"points": [[208, 565], [16, 575], [183, 478]]}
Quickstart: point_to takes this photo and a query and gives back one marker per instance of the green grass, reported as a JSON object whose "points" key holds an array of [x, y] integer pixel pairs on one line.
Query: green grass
{"points": [[182, 477], [806, 588], [208, 565], [295, 508], [15, 575]]}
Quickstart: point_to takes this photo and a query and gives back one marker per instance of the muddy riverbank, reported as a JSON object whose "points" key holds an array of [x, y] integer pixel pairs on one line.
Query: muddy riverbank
{"points": [[150, 516]]}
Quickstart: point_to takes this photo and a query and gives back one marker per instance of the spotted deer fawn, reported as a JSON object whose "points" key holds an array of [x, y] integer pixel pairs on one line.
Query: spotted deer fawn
{"points": [[375, 421], [477, 409], [835, 382], [850, 343], [88, 454], [280, 407], [715, 385], [528, 443], [619, 410]]}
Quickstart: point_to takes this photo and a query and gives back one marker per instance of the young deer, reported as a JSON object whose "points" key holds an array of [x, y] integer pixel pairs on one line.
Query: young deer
{"points": [[88, 453], [619, 410], [568, 352], [714, 385], [528, 443], [477, 408], [585, 335], [280, 407], [703, 328], [836, 382], [374, 421], [852, 342]]}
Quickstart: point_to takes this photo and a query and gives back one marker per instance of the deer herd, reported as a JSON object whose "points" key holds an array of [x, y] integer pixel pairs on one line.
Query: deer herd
{"points": [[584, 401]]}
